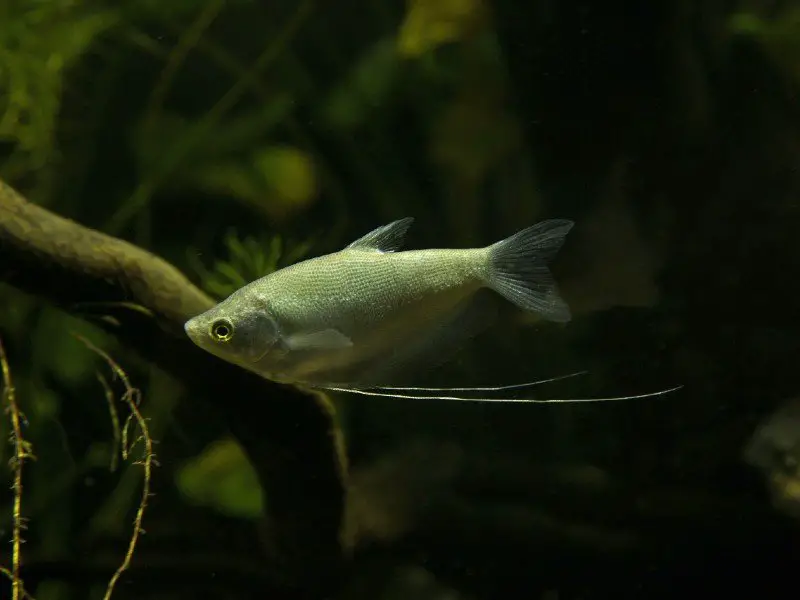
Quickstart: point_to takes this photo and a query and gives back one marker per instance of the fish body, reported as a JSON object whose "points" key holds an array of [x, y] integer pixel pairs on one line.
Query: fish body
{"points": [[359, 316], [358, 291]]}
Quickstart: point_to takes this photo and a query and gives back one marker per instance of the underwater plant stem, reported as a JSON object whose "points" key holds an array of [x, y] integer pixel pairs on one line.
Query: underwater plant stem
{"points": [[22, 451]]}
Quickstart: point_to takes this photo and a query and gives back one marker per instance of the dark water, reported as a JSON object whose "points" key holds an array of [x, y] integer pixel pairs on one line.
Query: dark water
{"points": [[231, 138]]}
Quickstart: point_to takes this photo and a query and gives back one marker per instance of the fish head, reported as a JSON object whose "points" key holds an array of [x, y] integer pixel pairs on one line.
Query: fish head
{"points": [[235, 330]]}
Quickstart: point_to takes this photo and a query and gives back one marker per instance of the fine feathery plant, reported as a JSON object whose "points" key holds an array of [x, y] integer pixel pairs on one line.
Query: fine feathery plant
{"points": [[248, 259]]}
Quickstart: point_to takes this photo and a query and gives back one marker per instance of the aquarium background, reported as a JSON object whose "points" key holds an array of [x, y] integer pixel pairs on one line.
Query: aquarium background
{"points": [[231, 138]]}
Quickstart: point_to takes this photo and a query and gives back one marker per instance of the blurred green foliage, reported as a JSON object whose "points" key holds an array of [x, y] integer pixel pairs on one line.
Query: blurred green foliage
{"points": [[779, 34], [39, 42], [370, 81], [432, 23], [222, 479]]}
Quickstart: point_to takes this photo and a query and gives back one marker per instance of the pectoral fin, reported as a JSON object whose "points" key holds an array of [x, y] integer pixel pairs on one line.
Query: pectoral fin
{"points": [[326, 339]]}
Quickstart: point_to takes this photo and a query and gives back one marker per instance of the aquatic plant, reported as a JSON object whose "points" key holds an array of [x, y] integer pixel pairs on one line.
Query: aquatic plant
{"points": [[247, 260]]}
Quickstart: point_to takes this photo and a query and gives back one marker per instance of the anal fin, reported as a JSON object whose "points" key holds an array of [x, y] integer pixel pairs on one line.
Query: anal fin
{"points": [[429, 347]]}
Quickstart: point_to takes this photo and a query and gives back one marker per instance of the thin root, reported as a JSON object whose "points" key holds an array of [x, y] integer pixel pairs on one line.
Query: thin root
{"points": [[131, 397]]}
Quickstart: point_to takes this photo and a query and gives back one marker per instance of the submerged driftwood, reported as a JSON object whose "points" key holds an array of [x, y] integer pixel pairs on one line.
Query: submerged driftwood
{"points": [[289, 435]]}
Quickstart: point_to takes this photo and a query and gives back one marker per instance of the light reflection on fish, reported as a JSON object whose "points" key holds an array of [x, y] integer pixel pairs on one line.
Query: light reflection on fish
{"points": [[368, 314]]}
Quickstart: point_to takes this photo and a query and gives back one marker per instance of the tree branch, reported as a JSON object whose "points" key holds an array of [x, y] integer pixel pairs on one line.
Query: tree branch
{"points": [[289, 435]]}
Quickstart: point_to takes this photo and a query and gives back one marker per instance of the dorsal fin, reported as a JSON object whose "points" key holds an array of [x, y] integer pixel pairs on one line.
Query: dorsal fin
{"points": [[387, 238]]}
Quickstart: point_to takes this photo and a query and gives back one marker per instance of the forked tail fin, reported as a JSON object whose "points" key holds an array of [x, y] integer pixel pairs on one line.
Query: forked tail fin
{"points": [[518, 269]]}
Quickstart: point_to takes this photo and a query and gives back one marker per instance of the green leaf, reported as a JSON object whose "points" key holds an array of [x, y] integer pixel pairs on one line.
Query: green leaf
{"points": [[366, 87], [221, 478], [431, 23], [276, 180]]}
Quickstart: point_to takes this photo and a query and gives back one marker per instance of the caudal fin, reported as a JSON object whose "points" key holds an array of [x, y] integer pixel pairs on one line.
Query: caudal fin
{"points": [[518, 269]]}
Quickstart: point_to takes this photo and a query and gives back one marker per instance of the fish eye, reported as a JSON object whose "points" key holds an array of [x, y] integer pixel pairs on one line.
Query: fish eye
{"points": [[222, 330]]}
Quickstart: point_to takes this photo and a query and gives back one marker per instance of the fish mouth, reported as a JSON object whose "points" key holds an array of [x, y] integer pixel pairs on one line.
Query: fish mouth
{"points": [[191, 329]]}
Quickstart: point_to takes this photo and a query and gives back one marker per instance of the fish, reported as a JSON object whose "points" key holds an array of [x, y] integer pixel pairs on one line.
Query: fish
{"points": [[361, 318]]}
